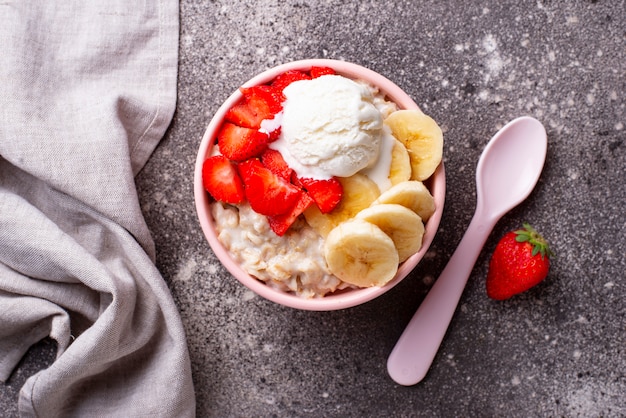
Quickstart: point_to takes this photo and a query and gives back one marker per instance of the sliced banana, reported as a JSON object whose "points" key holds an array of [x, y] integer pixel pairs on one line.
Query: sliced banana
{"points": [[400, 169], [411, 194], [401, 224], [422, 137], [360, 253], [358, 193]]}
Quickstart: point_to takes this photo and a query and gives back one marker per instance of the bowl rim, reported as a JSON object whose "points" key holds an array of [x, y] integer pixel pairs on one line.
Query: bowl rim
{"points": [[337, 300]]}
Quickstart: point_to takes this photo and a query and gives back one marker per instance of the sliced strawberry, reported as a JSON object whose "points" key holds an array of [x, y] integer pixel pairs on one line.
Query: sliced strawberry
{"points": [[274, 135], [320, 71], [267, 193], [243, 115], [273, 160], [261, 96], [221, 180], [296, 180], [258, 103], [238, 143], [326, 193], [281, 223], [288, 77]]}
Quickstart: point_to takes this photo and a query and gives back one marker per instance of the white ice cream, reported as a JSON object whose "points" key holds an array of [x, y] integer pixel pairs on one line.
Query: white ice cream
{"points": [[329, 127]]}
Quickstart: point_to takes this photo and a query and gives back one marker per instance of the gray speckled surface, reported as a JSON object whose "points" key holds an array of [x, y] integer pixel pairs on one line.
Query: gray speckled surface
{"points": [[557, 350]]}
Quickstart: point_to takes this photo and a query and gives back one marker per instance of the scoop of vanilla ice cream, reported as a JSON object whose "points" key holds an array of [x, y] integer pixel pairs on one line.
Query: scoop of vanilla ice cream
{"points": [[329, 127]]}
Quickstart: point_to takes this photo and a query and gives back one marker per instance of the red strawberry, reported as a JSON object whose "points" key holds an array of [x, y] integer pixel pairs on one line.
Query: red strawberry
{"points": [[281, 223], [243, 115], [221, 180], [520, 261], [320, 71], [326, 193], [238, 143], [267, 193], [273, 160], [263, 96], [288, 77], [258, 103], [274, 135]]}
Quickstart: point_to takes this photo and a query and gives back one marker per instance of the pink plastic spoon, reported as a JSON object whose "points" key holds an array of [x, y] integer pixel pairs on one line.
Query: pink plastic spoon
{"points": [[507, 172]]}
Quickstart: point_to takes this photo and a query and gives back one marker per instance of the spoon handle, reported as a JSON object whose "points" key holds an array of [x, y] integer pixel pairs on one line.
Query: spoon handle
{"points": [[414, 352]]}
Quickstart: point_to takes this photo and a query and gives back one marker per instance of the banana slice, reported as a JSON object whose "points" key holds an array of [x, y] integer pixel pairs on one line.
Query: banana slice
{"points": [[422, 137], [400, 169], [361, 254], [358, 193], [401, 224], [411, 194]]}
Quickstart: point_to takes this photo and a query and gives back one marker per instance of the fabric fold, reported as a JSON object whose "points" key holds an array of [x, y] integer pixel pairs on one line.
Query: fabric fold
{"points": [[89, 91]]}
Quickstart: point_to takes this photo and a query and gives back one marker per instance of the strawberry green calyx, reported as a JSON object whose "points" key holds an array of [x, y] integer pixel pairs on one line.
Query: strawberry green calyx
{"points": [[529, 235]]}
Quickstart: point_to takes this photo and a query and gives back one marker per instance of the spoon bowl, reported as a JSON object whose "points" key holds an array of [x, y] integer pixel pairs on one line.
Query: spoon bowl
{"points": [[507, 171], [503, 182]]}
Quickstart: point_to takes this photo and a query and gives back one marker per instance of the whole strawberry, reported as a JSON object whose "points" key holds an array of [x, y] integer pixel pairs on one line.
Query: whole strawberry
{"points": [[520, 261]]}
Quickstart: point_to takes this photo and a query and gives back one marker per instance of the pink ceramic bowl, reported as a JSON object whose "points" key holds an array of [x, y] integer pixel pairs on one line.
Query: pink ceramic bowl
{"points": [[340, 299]]}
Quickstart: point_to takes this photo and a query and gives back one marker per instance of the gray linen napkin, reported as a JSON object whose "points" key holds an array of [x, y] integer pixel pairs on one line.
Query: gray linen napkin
{"points": [[87, 91]]}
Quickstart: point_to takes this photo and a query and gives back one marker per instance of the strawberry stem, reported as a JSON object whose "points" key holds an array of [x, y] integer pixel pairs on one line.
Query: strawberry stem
{"points": [[540, 245]]}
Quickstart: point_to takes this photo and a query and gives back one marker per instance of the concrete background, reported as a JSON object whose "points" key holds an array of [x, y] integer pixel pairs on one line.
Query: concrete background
{"points": [[557, 350]]}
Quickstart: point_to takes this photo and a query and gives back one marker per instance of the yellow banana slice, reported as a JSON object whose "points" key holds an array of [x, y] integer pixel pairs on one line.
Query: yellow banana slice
{"points": [[358, 193], [360, 253], [401, 224], [411, 194], [422, 138], [400, 169]]}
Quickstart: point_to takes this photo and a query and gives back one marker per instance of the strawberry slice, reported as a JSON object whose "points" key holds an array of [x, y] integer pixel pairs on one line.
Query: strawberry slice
{"points": [[243, 115], [320, 71], [238, 143], [281, 223], [326, 193], [274, 135], [288, 77], [273, 160], [221, 180], [263, 96], [267, 193], [258, 103]]}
